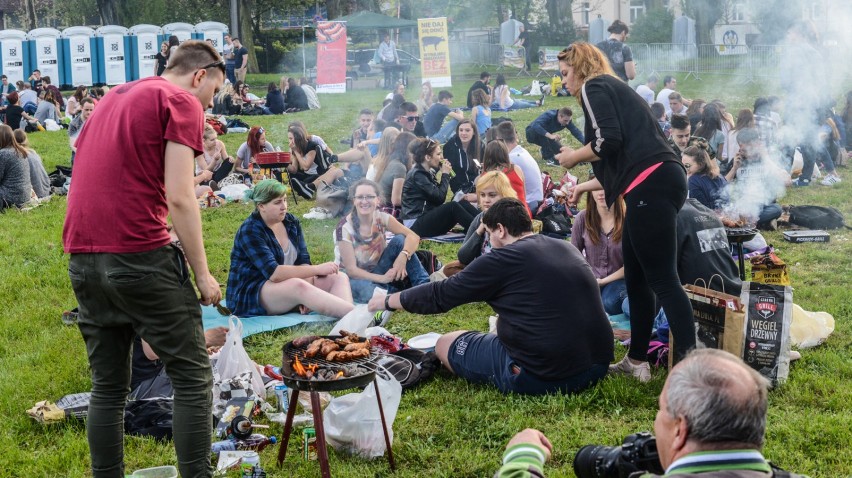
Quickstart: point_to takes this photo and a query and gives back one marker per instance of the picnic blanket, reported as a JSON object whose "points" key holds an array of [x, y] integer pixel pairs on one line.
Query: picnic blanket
{"points": [[446, 238], [211, 318]]}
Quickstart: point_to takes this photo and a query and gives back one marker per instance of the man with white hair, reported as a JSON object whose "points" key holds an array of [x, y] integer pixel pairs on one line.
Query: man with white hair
{"points": [[711, 424]]}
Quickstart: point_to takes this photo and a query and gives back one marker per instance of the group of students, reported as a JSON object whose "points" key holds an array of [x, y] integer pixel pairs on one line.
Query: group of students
{"points": [[288, 96]]}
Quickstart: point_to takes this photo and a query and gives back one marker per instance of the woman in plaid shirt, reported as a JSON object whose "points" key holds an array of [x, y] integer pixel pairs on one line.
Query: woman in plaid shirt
{"points": [[271, 271]]}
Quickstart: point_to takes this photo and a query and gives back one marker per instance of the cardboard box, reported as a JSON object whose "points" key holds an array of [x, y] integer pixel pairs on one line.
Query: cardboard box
{"points": [[806, 236]]}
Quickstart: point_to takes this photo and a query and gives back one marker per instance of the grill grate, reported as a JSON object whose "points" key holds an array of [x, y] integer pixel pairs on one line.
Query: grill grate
{"points": [[359, 372]]}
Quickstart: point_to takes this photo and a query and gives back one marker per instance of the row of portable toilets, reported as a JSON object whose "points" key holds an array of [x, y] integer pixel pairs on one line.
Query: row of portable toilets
{"points": [[109, 55]]}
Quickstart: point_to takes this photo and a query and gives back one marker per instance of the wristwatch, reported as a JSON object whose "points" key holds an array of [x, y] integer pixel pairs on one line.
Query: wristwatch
{"points": [[387, 303]]}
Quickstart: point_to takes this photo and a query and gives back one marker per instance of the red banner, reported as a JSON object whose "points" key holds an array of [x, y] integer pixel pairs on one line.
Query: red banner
{"points": [[331, 57]]}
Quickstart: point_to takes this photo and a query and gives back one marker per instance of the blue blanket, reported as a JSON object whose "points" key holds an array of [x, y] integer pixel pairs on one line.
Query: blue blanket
{"points": [[211, 318]]}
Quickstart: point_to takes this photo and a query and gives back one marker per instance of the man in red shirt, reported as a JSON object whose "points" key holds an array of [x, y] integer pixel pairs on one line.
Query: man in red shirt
{"points": [[134, 167]]}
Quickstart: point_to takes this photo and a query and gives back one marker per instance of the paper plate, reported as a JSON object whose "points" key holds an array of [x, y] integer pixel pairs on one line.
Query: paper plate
{"points": [[425, 342]]}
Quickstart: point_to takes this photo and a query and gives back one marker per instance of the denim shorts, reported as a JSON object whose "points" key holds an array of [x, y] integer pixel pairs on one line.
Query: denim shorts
{"points": [[482, 358]]}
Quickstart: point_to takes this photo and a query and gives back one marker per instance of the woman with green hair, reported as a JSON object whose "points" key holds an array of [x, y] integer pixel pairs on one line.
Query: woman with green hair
{"points": [[271, 271]]}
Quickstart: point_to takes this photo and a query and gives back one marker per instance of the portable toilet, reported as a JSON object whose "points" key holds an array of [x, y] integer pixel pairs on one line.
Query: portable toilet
{"points": [[45, 52], [113, 65], [214, 31], [79, 55], [181, 30], [144, 46], [597, 30], [14, 55]]}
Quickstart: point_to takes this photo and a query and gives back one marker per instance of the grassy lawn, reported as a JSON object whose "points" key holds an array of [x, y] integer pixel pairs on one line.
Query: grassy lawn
{"points": [[446, 427]]}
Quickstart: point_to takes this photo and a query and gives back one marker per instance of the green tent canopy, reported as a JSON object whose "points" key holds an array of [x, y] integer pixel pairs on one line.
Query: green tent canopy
{"points": [[365, 20]]}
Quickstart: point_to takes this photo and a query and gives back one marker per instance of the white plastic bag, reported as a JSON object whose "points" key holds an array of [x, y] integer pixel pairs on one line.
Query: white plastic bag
{"points": [[810, 329], [233, 359], [51, 125], [535, 88], [357, 320], [353, 423], [234, 192]]}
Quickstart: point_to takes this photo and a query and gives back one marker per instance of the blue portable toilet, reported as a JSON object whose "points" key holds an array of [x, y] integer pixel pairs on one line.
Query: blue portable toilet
{"points": [[14, 55], [113, 65], [46, 52], [181, 30], [79, 54], [144, 46], [214, 31]]}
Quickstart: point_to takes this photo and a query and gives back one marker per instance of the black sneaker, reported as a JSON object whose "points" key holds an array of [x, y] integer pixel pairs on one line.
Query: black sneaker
{"points": [[306, 190], [541, 100], [551, 162]]}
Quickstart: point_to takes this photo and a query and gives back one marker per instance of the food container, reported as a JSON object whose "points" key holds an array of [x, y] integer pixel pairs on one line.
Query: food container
{"points": [[156, 472], [425, 342]]}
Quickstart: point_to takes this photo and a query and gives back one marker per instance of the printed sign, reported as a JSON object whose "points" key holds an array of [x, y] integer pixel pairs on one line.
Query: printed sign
{"points": [[331, 57], [547, 59], [514, 56], [434, 51]]}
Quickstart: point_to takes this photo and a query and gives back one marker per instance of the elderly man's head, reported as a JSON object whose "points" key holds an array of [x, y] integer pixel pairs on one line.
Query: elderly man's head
{"points": [[711, 401]]}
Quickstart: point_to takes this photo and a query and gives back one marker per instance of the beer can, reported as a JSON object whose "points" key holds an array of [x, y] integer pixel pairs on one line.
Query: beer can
{"points": [[309, 437], [283, 395]]}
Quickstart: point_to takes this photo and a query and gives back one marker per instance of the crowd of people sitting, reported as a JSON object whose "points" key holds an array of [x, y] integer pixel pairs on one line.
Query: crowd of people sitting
{"points": [[398, 175]]}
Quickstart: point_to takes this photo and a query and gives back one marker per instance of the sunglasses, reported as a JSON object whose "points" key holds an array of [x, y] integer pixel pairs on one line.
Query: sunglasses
{"points": [[260, 131], [412, 118], [220, 64]]}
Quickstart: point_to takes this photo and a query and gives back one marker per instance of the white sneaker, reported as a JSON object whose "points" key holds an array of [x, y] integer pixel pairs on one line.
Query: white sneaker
{"points": [[827, 181], [626, 367]]}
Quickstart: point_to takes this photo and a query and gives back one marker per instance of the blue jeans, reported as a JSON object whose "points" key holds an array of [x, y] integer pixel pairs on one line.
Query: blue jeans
{"points": [[446, 131], [482, 358], [229, 72], [362, 289], [613, 295]]}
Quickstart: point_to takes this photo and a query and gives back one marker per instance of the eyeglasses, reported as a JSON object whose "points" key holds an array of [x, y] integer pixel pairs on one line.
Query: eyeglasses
{"points": [[412, 118], [365, 198]]}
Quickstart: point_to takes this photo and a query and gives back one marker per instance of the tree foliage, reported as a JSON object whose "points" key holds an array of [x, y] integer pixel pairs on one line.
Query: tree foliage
{"points": [[655, 26], [774, 18], [705, 13]]}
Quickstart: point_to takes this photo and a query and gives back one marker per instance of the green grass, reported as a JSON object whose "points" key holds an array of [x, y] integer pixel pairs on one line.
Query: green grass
{"points": [[446, 427]]}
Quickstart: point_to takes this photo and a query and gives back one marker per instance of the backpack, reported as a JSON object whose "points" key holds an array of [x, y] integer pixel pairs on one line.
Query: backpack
{"points": [[429, 261], [554, 221], [817, 217]]}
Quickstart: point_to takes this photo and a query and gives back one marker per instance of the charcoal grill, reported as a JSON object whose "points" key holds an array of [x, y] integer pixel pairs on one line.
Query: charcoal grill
{"points": [[359, 374], [737, 236], [279, 160]]}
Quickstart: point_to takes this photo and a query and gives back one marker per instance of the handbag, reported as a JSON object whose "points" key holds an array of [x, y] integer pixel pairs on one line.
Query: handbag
{"points": [[554, 222]]}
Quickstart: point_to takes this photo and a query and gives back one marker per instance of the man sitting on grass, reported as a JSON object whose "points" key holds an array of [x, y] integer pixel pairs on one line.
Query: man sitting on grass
{"points": [[543, 131], [552, 335]]}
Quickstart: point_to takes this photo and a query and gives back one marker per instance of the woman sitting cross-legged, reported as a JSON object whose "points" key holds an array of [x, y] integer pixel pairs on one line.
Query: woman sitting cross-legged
{"points": [[424, 206], [369, 259], [597, 234], [271, 271]]}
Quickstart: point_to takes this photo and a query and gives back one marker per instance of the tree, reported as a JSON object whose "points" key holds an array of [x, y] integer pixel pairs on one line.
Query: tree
{"points": [[655, 26], [774, 18], [109, 10], [705, 13]]}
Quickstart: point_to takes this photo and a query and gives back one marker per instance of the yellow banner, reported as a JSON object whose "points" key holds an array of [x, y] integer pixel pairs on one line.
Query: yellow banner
{"points": [[434, 51]]}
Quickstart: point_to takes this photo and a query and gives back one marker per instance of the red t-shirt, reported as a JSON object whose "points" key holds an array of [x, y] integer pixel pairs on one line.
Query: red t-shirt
{"points": [[117, 203]]}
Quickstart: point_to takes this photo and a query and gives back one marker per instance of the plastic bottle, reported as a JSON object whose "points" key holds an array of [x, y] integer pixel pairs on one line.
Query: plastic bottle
{"points": [[256, 442]]}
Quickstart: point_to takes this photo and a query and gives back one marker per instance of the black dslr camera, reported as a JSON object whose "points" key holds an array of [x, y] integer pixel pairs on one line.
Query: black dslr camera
{"points": [[637, 453]]}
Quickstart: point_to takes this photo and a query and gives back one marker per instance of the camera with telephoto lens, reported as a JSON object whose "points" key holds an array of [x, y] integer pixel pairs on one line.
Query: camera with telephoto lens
{"points": [[637, 453]]}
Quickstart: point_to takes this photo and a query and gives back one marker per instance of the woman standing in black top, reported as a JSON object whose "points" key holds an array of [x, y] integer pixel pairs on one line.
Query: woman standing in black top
{"points": [[162, 59], [630, 156]]}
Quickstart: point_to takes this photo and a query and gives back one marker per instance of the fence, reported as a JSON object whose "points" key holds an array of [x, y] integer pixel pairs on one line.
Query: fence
{"points": [[747, 63]]}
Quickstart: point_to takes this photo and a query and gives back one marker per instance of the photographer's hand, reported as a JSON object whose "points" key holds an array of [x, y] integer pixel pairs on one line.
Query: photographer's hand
{"points": [[532, 436]]}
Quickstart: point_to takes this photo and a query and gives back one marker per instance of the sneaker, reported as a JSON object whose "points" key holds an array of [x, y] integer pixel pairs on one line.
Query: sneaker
{"points": [[306, 190], [799, 183], [626, 367], [382, 317], [551, 162], [827, 181]]}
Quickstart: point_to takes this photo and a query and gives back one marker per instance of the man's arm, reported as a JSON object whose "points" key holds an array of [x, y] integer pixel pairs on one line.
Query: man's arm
{"points": [[183, 208], [245, 58], [575, 131]]}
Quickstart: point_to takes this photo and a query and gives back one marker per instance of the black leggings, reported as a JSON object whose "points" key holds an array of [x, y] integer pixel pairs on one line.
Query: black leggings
{"points": [[440, 220], [649, 244]]}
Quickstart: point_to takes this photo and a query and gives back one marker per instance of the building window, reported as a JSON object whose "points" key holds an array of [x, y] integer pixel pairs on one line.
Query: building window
{"points": [[584, 20], [637, 9], [739, 11]]}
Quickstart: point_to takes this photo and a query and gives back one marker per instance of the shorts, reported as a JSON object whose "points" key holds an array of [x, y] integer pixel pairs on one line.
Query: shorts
{"points": [[482, 358]]}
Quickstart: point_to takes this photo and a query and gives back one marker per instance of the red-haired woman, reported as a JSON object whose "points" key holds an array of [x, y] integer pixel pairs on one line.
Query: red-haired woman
{"points": [[255, 143]]}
